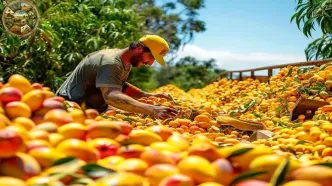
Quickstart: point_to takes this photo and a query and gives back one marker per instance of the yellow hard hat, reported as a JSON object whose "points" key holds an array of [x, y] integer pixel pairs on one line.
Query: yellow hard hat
{"points": [[158, 46]]}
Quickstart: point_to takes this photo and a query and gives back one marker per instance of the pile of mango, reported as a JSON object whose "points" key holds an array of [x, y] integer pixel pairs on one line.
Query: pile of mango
{"points": [[47, 140]]}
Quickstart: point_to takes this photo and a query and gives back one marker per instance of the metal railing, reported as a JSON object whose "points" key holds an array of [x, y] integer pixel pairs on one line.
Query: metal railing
{"points": [[269, 70]]}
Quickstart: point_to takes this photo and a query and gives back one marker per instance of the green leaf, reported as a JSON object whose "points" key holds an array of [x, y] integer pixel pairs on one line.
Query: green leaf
{"points": [[246, 176], [297, 80], [301, 142], [327, 164], [246, 106], [280, 174], [322, 117], [256, 115], [105, 117], [96, 171], [232, 113], [61, 175], [282, 124], [176, 103], [239, 152], [83, 181], [277, 110], [320, 85], [65, 161], [290, 72], [129, 119], [296, 125], [322, 67]]}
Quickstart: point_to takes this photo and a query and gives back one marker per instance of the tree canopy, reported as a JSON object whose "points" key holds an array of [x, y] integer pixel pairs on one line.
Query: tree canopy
{"points": [[313, 15], [71, 29]]}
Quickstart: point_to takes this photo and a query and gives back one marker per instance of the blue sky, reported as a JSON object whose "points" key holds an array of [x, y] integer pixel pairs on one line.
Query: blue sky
{"points": [[244, 34]]}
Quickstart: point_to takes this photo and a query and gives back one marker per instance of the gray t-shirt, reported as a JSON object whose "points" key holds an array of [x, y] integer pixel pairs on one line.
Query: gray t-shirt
{"points": [[99, 69]]}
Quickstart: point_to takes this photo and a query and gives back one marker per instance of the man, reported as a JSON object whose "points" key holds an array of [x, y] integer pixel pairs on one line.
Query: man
{"points": [[100, 79]]}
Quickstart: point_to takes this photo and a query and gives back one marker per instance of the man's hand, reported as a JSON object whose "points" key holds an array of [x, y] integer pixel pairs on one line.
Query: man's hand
{"points": [[162, 95], [161, 112], [159, 95], [115, 98]]}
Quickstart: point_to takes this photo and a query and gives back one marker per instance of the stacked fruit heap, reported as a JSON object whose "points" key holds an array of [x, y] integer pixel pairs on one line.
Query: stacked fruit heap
{"points": [[44, 140]]}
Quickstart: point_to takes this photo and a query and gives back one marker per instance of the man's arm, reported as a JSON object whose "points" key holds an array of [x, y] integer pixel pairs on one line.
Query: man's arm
{"points": [[137, 93], [115, 98], [134, 92]]}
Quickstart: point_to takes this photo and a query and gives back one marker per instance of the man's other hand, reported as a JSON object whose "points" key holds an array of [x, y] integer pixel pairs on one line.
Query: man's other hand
{"points": [[161, 112], [162, 95]]}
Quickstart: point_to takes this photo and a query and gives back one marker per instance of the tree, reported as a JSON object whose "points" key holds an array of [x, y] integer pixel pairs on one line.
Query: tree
{"points": [[309, 15], [176, 20], [68, 31], [71, 29], [144, 78], [188, 72]]}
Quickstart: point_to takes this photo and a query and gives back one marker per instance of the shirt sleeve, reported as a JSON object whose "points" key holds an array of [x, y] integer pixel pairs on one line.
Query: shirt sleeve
{"points": [[109, 75]]}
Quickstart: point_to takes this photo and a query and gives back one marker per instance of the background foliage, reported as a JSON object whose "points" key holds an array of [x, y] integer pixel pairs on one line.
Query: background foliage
{"points": [[186, 73], [71, 29], [315, 15]]}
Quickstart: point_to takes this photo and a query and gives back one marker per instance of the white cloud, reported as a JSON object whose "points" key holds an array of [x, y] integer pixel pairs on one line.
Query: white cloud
{"points": [[239, 61]]}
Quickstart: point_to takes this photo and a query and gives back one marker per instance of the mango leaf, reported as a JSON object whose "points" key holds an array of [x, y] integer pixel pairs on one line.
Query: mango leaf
{"points": [[239, 152], [64, 161], [318, 87], [65, 107], [297, 80], [246, 106], [246, 176], [322, 67], [319, 84], [315, 88], [322, 117], [232, 113], [301, 142], [176, 103], [277, 110], [129, 119], [290, 72], [83, 106], [96, 171], [61, 175], [279, 175], [282, 124], [104, 116], [327, 164], [256, 115], [295, 125], [83, 181]]}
